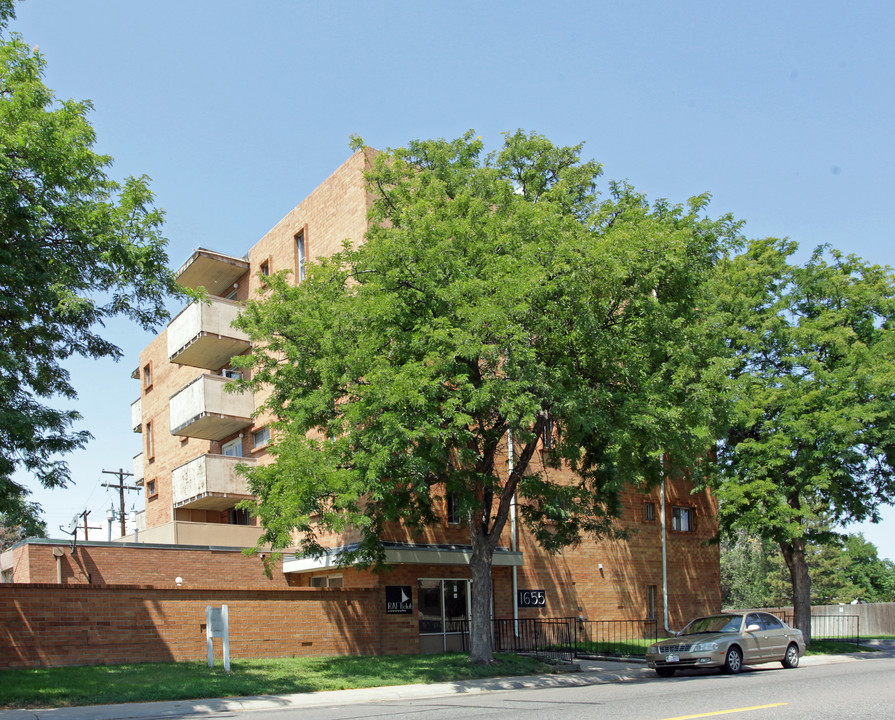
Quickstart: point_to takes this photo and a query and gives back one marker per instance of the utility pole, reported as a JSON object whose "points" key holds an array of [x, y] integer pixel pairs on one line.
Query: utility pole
{"points": [[121, 487], [86, 526]]}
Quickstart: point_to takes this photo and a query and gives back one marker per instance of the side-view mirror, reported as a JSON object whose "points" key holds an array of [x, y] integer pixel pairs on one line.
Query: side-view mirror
{"points": [[753, 627]]}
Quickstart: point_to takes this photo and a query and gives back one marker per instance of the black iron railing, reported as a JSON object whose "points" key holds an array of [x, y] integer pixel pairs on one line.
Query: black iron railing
{"points": [[545, 638], [622, 638]]}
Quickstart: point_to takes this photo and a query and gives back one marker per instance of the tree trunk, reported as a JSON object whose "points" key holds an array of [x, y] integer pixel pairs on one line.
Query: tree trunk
{"points": [[794, 554], [480, 645]]}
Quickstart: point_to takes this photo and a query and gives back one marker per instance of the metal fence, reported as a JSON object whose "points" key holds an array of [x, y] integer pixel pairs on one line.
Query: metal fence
{"points": [[545, 638], [622, 638], [844, 628]]}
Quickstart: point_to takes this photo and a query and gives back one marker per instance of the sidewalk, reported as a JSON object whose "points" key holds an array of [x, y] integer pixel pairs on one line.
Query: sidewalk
{"points": [[593, 672]]}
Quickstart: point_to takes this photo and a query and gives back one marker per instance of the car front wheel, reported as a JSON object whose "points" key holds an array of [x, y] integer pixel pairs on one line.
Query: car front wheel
{"points": [[733, 661], [791, 659]]}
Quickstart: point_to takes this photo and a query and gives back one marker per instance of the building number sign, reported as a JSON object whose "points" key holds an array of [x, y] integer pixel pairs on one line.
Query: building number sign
{"points": [[531, 598]]}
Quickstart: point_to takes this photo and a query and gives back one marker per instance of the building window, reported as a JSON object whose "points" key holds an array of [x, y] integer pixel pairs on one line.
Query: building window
{"points": [[453, 515], [265, 268], [150, 449], [232, 294], [322, 581], [151, 489], [260, 438], [650, 602], [443, 606], [232, 448], [300, 257], [147, 375], [547, 433], [649, 511], [231, 374], [682, 519], [238, 516]]}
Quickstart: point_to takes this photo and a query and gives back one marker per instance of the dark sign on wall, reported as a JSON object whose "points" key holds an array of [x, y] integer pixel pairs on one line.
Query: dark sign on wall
{"points": [[398, 599], [531, 598]]}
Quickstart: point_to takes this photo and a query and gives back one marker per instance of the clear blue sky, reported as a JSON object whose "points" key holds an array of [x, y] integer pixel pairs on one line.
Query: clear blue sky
{"points": [[782, 110]]}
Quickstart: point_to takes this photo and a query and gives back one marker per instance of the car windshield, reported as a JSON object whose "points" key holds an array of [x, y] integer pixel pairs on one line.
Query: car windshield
{"points": [[714, 623]]}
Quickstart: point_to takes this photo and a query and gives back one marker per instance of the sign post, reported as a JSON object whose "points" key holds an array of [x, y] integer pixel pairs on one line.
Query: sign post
{"points": [[217, 624]]}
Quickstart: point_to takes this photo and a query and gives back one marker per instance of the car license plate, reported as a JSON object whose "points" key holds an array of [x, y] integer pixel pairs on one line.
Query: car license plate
{"points": [[672, 658]]}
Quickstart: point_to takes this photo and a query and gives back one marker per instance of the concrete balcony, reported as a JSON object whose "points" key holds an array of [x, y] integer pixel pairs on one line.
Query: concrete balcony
{"points": [[209, 482], [215, 272], [202, 335], [203, 409], [139, 474], [137, 415]]}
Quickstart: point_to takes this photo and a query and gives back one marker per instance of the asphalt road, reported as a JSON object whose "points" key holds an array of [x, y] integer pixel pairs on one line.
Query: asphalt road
{"points": [[843, 687], [842, 691]]}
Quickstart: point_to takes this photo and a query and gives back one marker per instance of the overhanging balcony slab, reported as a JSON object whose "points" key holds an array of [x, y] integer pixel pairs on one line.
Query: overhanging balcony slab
{"points": [[210, 482], [203, 409], [202, 335], [214, 271]]}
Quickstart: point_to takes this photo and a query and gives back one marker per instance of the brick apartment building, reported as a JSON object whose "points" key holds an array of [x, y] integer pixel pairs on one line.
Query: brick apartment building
{"points": [[194, 433]]}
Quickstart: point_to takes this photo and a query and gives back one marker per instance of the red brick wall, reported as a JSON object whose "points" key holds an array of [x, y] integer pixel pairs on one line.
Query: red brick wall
{"points": [[49, 625]]}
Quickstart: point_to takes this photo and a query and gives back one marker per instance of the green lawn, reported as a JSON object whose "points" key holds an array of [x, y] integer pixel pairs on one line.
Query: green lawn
{"points": [[100, 684]]}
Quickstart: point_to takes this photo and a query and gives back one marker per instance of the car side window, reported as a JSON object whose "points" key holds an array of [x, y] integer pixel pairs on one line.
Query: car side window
{"points": [[771, 622], [754, 619]]}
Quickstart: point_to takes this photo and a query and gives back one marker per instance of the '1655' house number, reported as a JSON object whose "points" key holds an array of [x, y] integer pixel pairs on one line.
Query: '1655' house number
{"points": [[531, 598]]}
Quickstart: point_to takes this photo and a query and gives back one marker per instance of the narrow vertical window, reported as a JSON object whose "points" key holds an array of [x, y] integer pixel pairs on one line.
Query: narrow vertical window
{"points": [[147, 375], [265, 268], [453, 516], [300, 257], [649, 511], [150, 450]]}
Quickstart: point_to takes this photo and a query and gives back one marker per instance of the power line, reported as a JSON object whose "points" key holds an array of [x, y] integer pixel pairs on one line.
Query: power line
{"points": [[121, 487]]}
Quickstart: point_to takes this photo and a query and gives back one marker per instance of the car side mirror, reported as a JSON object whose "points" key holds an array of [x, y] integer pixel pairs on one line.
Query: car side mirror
{"points": [[753, 627]]}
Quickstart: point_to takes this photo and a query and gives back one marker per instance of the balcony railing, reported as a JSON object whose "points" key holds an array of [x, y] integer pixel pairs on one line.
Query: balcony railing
{"points": [[202, 335], [138, 469], [215, 272], [203, 409], [137, 415], [209, 482]]}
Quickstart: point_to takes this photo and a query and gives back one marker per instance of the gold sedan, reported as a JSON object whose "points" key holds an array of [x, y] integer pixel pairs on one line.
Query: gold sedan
{"points": [[728, 641]]}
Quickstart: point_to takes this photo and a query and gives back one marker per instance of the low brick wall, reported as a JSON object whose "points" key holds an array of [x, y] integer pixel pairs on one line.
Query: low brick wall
{"points": [[45, 625]]}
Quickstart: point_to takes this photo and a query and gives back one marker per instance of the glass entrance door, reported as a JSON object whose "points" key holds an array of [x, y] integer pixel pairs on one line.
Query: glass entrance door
{"points": [[443, 615]]}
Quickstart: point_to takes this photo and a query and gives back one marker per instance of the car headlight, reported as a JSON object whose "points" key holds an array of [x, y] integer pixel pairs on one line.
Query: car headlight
{"points": [[704, 647]]}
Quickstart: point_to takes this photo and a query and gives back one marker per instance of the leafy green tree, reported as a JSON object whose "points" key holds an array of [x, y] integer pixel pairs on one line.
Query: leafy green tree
{"points": [[493, 295], [873, 576], [76, 248], [20, 523], [812, 437], [751, 572]]}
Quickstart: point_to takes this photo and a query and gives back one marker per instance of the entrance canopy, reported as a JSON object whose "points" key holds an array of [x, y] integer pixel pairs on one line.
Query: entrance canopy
{"points": [[405, 554]]}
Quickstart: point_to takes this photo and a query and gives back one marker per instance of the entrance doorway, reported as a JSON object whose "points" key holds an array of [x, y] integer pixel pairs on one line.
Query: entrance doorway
{"points": [[443, 614]]}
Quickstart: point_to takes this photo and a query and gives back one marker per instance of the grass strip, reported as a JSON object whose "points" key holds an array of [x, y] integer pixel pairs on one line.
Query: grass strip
{"points": [[153, 682]]}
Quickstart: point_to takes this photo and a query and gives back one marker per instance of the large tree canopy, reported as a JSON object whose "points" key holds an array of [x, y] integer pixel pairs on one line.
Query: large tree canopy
{"points": [[493, 295], [76, 248], [812, 443]]}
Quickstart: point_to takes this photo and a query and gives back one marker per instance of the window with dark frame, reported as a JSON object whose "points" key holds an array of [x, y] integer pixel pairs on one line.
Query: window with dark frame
{"points": [[265, 268], [453, 516], [649, 511], [238, 516], [682, 519], [151, 489]]}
